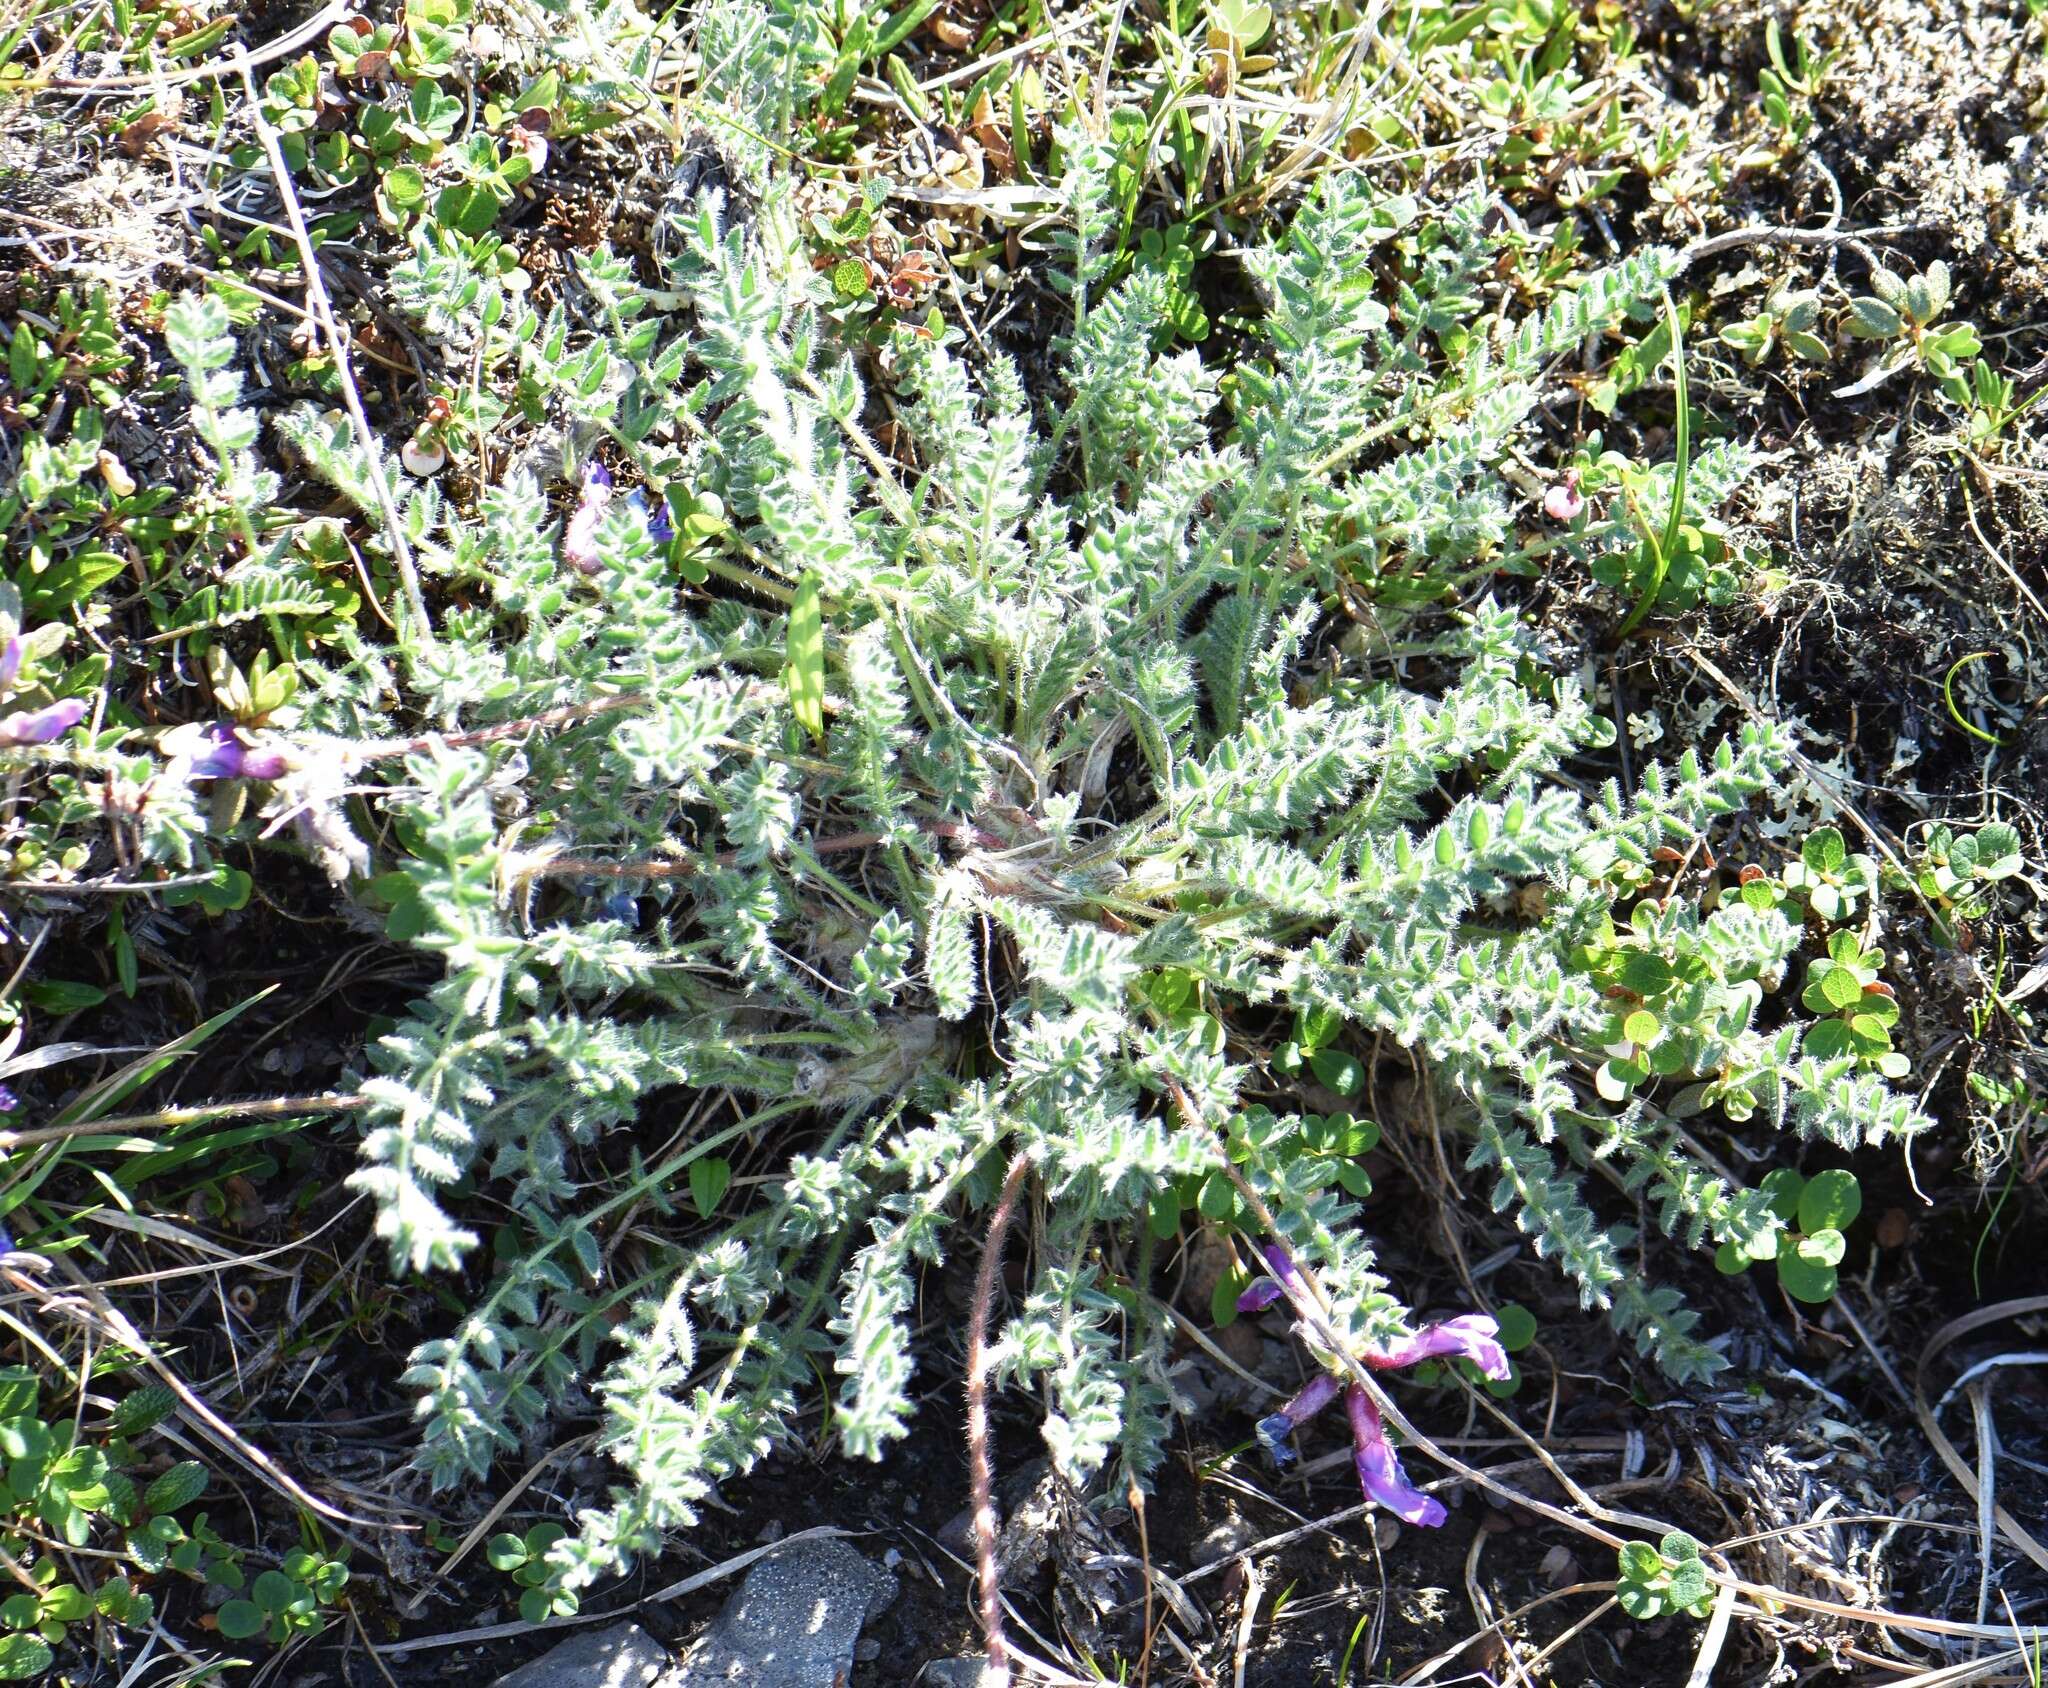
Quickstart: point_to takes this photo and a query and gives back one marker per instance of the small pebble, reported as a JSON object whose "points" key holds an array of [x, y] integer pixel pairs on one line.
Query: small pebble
{"points": [[1227, 1539]]}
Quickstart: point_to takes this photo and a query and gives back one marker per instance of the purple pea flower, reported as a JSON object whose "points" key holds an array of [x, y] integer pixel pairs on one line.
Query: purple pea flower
{"points": [[8, 1100], [1379, 1472], [40, 726], [10, 660], [1276, 1432], [1286, 1280], [218, 751], [1471, 1336]]}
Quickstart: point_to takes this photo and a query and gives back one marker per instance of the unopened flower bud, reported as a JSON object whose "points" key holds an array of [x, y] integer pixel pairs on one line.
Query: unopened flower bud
{"points": [[423, 455], [1563, 502], [115, 473]]}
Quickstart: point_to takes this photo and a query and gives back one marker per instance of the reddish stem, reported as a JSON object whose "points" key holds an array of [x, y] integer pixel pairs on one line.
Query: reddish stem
{"points": [[981, 1472]]}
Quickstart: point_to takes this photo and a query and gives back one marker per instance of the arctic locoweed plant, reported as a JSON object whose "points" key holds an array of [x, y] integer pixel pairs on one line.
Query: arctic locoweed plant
{"points": [[1010, 741], [1002, 790]]}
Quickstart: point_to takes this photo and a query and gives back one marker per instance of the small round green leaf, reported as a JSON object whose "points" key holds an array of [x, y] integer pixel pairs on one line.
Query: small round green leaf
{"points": [[1827, 1040], [1805, 1280], [1639, 1602], [240, 1619], [1517, 1327], [505, 1552], [18, 1386], [1782, 1189], [1639, 1562], [1824, 850], [150, 1405], [850, 279], [1218, 1198], [1341, 1072], [119, 1600], [1688, 1583], [1677, 1547], [1643, 974], [1841, 987], [67, 1603], [1830, 1201], [405, 186]]}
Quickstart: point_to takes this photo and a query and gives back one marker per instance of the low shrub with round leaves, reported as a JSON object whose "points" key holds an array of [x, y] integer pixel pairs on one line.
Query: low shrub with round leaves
{"points": [[1958, 873], [1669, 1577], [524, 1560], [33, 1621], [286, 1602], [1833, 881], [1816, 1212], [1857, 1009]]}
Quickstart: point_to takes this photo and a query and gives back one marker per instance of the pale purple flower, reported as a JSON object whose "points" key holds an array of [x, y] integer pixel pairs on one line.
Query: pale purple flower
{"points": [[8, 1100], [1474, 1336], [40, 726], [220, 751], [1286, 1279], [1379, 1472], [1276, 1431], [579, 537], [10, 661]]}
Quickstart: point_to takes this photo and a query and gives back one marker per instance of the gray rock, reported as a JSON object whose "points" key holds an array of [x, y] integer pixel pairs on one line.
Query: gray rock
{"points": [[955, 1673], [621, 1656], [793, 1622], [1225, 1541]]}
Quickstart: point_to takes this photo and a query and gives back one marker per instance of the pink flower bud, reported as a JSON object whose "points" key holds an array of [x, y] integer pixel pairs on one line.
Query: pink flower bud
{"points": [[41, 726]]}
